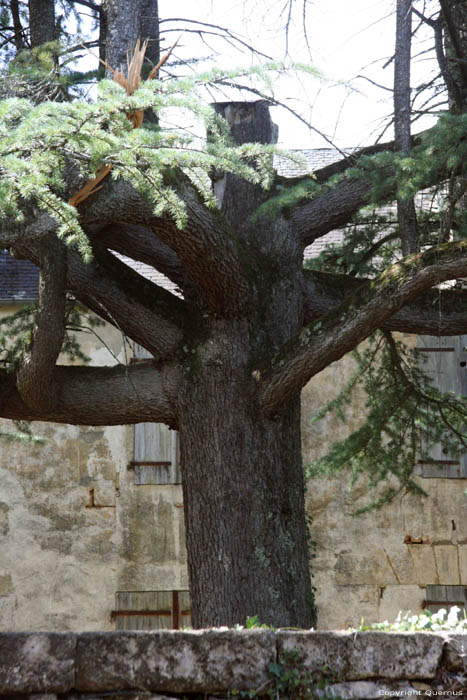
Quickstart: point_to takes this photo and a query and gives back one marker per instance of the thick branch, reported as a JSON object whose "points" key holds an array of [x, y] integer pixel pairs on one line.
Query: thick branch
{"points": [[435, 312], [36, 375], [140, 244], [329, 339], [313, 219], [101, 396], [143, 311], [331, 210], [205, 247]]}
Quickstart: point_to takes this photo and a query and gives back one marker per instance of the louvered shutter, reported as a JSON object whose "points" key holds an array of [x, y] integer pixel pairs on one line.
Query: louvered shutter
{"points": [[152, 610], [446, 597], [156, 448], [446, 363]]}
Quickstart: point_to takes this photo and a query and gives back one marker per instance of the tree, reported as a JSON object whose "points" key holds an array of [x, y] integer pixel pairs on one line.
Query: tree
{"points": [[253, 326]]}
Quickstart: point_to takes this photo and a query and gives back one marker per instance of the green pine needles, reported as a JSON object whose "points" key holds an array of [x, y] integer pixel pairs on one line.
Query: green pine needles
{"points": [[405, 417], [39, 143]]}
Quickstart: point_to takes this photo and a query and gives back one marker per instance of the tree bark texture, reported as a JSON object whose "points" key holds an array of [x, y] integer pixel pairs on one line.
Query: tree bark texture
{"points": [[126, 21], [406, 215], [243, 494], [41, 21]]}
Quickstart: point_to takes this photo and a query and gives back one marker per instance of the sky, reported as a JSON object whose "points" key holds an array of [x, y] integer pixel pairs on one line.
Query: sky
{"points": [[346, 39]]}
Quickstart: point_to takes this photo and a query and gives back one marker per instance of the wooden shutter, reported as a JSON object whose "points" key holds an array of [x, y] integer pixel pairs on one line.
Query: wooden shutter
{"points": [[156, 450], [152, 610], [446, 363], [438, 597]]}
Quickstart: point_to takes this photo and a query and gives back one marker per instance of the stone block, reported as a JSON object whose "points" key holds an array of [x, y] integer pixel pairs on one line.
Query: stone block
{"points": [[365, 655], [402, 564], [462, 551], [424, 562], [403, 599], [374, 568], [456, 651], [447, 564], [33, 662], [174, 661]]}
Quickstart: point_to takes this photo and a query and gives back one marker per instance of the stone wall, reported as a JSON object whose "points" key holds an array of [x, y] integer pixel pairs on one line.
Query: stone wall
{"points": [[75, 529], [379, 563], [226, 662]]}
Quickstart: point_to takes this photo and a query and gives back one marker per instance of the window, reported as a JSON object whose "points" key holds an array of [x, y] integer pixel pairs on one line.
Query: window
{"points": [[446, 362], [156, 447], [152, 610]]}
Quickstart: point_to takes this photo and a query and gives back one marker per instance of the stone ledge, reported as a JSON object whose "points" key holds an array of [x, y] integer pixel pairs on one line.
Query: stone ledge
{"points": [[219, 660], [35, 662], [363, 655], [175, 661]]}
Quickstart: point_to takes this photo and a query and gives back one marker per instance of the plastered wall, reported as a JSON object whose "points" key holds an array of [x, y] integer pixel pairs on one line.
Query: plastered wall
{"points": [[74, 528], [366, 566]]}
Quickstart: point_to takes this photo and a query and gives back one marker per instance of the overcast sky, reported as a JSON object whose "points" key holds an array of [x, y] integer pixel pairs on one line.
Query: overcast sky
{"points": [[346, 37]]}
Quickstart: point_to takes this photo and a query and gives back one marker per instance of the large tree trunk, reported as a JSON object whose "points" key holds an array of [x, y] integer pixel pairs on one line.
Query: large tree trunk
{"points": [[241, 468], [243, 493]]}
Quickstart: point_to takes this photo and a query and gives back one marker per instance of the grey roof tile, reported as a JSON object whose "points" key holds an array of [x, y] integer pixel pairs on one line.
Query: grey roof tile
{"points": [[18, 279]]}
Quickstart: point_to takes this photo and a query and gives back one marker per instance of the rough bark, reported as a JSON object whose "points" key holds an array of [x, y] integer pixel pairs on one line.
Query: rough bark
{"points": [[242, 473], [41, 21], [435, 312], [243, 494], [127, 21], [36, 380], [17, 26], [406, 215], [145, 312], [101, 396]]}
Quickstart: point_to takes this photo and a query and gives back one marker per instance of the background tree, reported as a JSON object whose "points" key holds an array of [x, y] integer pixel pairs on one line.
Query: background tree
{"points": [[253, 327]]}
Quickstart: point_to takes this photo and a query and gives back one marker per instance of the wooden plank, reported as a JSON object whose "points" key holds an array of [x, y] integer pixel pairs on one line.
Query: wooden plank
{"points": [[155, 442], [456, 593], [151, 610], [436, 593], [444, 360]]}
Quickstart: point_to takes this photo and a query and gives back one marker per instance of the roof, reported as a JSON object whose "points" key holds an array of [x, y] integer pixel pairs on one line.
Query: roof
{"points": [[19, 278]]}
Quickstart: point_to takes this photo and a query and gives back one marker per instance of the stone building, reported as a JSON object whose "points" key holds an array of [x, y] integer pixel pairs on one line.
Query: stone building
{"points": [[91, 521]]}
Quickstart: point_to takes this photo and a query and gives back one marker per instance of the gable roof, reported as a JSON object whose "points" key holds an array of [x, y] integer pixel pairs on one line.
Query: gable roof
{"points": [[19, 278]]}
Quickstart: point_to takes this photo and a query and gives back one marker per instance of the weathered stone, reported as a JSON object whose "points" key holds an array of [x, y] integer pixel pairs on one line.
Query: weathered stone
{"points": [[362, 655], [366, 690], [36, 662], [462, 552], [447, 564], [424, 562], [455, 657], [355, 568], [175, 661]]}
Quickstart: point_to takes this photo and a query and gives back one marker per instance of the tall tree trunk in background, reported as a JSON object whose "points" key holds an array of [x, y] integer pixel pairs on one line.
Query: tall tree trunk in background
{"points": [[127, 21], [17, 26], [41, 21], [406, 215]]}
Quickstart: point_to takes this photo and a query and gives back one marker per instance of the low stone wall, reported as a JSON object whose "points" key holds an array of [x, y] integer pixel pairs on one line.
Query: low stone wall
{"points": [[224, 662]]}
